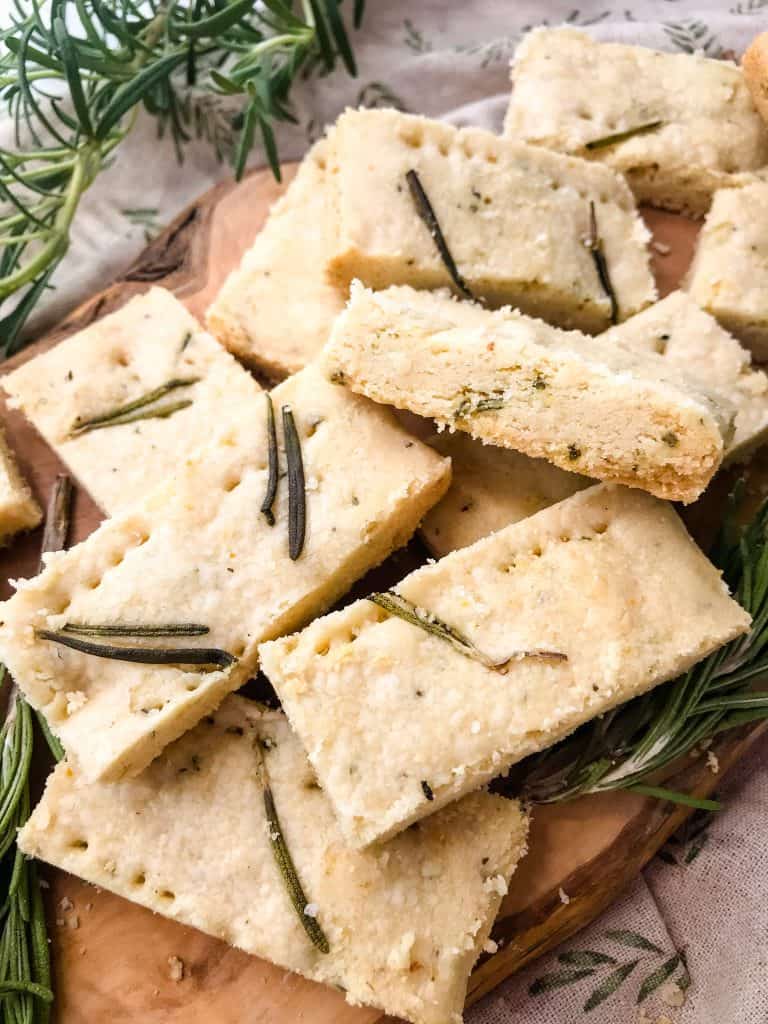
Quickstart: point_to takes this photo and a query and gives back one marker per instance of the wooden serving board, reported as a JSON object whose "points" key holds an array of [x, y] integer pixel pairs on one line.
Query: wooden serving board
{"points": [[110, 956]]}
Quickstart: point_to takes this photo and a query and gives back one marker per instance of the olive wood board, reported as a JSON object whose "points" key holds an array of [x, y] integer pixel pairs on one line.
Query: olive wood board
{"points": [[111, 956]]}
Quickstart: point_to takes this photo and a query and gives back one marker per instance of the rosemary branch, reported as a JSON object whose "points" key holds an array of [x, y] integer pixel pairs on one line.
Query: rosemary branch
{"points": [[624, 748], [74, 73], [271, 490], [25, 969], [139, 408]]}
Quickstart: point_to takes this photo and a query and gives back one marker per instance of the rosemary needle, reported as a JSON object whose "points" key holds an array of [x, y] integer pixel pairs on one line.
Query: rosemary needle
{"points": [[141, 655], [426, 212], [118, 629], [271, 492], [612, 140], [595, 246], [285, 864], [399, 606], [297, 498], [57, 517], [123, 413]]}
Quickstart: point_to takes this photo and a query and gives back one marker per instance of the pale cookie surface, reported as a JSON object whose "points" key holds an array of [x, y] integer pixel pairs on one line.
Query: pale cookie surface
{"points": [[590, 406], [692, 341], [198, 550], [275, 311], [490, 488], [569, 90], [384, 707], [189, 839], [729, 273], [18, 508], [150, 342], [514, 217]]}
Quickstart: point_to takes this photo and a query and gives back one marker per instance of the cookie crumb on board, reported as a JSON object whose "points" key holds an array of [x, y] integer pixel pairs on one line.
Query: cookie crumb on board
{"points": [[564, 897], [175, 968]]}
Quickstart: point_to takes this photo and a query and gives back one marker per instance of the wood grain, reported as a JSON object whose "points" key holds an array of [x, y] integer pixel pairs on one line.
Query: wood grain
{"points": [[110, 956]]}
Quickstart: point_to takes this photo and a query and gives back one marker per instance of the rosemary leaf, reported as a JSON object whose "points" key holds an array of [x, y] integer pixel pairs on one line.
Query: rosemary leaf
{"points": [[612, 140], [142, 655], [285, 864], [426, 212], [400, 607], [297, 498], [271, 492], [471, 405], [124, 629], [595, 246], [123, 413], [57, 517]]}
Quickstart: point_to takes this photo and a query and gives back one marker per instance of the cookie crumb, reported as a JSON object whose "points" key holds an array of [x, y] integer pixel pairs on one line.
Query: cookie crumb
{"points": [[65, 904], [564, 897], [712, 762], [489, 946], [661, 248], [175, 968], [73, 922]]}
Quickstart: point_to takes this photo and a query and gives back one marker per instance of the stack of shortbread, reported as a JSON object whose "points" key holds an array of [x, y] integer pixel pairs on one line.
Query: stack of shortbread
{"points": [[499, 288]]}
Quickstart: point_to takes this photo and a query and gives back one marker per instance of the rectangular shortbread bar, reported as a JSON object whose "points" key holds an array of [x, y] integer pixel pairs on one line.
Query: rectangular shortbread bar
{"points": [[492, 487], [693, 342], [515, 218], [729, 273], [275, 311], [152, 341], [189, 840], [569, 91], [18, 508], [590, 406], [397, 721], [198, 550]]}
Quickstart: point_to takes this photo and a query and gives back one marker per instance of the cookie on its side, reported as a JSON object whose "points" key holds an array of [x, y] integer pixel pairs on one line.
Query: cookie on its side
{"points": [[729, 273]]}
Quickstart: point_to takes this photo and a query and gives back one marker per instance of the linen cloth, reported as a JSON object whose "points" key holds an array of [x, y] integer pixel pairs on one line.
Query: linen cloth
{"points": [[706, 898]]}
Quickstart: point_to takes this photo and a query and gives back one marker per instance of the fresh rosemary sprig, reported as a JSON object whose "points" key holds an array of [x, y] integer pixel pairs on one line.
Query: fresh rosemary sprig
{"points": [[624, 748], [595, 246], [427, 214], [284, 861], [271, 491], [73, 74], [137, 409], [613, 140], [399, 606], [141, 655], [297, 498], [25, 968]]}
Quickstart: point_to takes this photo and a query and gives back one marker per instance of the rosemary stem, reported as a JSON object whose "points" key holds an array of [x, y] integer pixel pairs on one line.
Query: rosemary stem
{"points": [[83, 172]]}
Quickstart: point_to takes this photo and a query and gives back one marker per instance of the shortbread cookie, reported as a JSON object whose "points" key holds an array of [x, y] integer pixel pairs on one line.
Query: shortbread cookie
{"points": [[588, 405], [190, 840], [678, 126], [275, 311], [151, 354], [18, 508], [522, 637], [491, 488], [198, 552], [514, 218], [729, 273]]}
